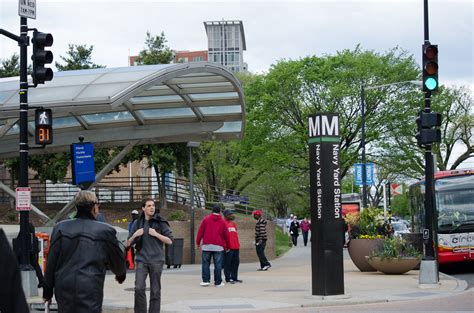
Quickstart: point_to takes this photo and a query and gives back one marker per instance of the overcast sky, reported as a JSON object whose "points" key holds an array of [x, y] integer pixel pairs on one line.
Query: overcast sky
{"points": [[274, 30]]}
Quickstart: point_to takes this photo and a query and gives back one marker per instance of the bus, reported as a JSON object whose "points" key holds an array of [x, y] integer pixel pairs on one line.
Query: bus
{"points": [[454, 193]]}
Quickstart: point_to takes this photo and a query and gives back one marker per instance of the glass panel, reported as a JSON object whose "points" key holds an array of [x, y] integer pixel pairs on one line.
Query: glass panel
{"points": [[214, 96], [14, 130], [230, 127], [103, 91], [63, 122], [167, 113], [199, 85], [226, 109], [155, 99], [108, 117]]}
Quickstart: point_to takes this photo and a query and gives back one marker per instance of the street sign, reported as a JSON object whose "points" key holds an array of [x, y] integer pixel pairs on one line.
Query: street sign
{"points": [[396, 189], [83, 171], [369, 170], [23, 199], [27, 8]]}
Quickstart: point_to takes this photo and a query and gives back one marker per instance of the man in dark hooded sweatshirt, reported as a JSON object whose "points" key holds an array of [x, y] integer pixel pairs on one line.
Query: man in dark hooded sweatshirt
{"points": [[149, 233], [81, 251]]}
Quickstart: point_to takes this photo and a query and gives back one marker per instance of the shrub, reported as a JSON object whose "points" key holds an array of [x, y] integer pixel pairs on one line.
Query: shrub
{"points": [[177, 215], [369, 224], [394, 248]]}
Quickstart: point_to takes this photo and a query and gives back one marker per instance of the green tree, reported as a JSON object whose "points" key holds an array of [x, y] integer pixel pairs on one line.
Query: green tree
{"points": [[156, 51], [10, 67], [78, 57]]}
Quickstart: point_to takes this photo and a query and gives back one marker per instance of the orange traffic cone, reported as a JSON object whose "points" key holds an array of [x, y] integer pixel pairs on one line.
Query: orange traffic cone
{"points": [[131, 264]]}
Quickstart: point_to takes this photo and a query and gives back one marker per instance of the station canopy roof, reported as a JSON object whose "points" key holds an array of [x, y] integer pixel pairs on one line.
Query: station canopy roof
{"points": [[112, 106]]}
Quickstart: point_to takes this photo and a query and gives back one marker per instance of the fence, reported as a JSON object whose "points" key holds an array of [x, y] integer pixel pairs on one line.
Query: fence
{"points": [[134, 189]]}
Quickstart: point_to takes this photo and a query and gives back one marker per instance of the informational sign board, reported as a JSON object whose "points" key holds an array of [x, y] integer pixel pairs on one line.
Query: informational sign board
{"points": [[83, 172], [27, 8], [396, 189], [326, 205], [23, 199], [369, 170]]}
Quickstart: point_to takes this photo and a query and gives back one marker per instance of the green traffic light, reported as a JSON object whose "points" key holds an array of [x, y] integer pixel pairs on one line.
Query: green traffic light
{"points": [[431, 83]]}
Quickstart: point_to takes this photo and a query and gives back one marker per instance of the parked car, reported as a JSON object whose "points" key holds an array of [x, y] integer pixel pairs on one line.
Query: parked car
{"points": [[400, 228]]}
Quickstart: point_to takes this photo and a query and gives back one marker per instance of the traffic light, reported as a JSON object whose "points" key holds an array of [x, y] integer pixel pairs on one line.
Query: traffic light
{"points": [[41, 57], [430, 67], [43, 126], [426, 134]]}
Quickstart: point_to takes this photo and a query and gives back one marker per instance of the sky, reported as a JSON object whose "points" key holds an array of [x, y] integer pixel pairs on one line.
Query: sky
{"points": [[274, 30]]}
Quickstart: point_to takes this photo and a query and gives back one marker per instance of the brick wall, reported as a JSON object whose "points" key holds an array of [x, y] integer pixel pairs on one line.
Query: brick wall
{"points": [[246, 230]]}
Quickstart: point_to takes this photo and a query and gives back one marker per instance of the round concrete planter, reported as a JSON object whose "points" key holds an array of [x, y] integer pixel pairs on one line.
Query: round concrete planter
{"points": [[393, 266], [359, 249]]}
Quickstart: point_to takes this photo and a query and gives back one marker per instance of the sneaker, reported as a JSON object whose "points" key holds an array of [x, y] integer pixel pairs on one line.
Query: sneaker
{"points": [[231, 282], [238, 281], [205, 283], [221, 284], [260, 269], [265, 268]]}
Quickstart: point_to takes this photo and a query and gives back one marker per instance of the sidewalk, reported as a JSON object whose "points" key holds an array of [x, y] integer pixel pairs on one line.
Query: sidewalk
{"points": [[285, 286]]}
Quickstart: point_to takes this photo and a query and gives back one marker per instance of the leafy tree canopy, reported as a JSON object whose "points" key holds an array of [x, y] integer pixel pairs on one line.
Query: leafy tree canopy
{"points": [[156, 51], [78, 57]]}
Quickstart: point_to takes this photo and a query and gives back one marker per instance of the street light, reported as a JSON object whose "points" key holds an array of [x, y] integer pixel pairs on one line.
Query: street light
{"points": [[362, 140], [191, 145]]}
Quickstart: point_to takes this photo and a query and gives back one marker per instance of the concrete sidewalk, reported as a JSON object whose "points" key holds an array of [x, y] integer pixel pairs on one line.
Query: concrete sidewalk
{"points": [[285, 287]]}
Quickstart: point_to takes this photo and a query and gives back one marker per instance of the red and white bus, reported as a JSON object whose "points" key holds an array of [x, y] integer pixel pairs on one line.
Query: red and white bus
{"points": [[454, 192]]}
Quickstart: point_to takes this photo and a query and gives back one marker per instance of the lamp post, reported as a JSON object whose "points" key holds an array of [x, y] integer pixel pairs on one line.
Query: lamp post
{"points": [[191, 145], [362, 139]]}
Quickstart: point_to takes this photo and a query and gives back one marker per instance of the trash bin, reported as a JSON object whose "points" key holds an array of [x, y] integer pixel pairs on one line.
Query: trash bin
{"points": [[174, 253]]}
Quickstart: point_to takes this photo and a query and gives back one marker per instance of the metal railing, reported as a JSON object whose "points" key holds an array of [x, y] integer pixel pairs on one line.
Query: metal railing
{"points": [[134, 189]]}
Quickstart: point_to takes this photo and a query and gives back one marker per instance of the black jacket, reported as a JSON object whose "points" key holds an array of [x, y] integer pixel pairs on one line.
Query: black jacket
{"points": [[81, 251], [12, 298], [294, 228], [158, 223]]}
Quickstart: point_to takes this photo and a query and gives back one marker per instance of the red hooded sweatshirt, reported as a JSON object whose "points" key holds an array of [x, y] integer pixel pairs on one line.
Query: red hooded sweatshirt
{"points": [[233, 236], [213, 231]]}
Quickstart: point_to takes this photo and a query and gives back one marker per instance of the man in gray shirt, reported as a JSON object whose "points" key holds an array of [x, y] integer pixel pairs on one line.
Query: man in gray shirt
{"points": [[148, 233]]}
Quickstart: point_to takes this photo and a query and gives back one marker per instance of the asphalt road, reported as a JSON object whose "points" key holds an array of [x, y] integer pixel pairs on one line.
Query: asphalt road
{"points": [[461, 271]]}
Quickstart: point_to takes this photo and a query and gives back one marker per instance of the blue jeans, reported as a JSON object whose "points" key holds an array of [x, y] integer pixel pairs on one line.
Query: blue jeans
{"points": [[206, 264], [231, 265]]}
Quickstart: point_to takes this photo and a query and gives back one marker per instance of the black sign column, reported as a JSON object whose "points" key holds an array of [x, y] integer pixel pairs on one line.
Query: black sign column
{"points": [[326, 210]]}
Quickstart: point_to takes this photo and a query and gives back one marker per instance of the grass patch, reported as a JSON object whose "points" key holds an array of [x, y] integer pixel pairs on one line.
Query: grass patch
{"points": [[282, 242]]}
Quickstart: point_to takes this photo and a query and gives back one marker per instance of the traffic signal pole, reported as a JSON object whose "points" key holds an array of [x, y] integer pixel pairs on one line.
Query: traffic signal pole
{"points": [[429, 267], [23, 147]]}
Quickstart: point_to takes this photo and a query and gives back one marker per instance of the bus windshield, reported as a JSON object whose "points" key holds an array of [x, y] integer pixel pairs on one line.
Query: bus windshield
{"points": [[455, 202]]}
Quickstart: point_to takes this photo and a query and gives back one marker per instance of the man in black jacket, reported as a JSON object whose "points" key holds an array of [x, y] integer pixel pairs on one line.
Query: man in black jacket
{"points": [[149, 233], [81, 251], [12, 297]]}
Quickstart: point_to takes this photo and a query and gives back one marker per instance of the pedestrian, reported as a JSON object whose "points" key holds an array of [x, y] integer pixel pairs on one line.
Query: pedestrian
{"points": [[231, 257], [305, 226], [213, 239], [149, 234], [12, 297], [261, 240], [33, 253], [81, 251], [294, 230], [131, 249], [288, 223]]}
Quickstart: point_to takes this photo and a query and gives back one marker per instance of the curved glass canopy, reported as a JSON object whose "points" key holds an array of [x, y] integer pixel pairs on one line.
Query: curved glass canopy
{"points": [[111, 106]]}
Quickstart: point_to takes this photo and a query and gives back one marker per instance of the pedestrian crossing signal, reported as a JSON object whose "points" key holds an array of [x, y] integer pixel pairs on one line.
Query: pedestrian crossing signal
{"points": [[43, 127]]}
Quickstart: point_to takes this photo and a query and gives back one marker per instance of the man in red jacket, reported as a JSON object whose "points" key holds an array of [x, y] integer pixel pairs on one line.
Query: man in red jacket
{"points": [[213, 238], [231, 257]]}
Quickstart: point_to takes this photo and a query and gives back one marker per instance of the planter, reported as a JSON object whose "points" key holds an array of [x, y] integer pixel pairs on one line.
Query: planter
{"points": [[393, 266], [359, 249]]}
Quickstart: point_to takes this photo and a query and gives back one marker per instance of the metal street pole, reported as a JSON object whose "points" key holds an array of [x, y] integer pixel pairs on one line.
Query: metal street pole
{"points": [[191, 187], [192, 144], [362, 143], [428, 268], [23, 145]]}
